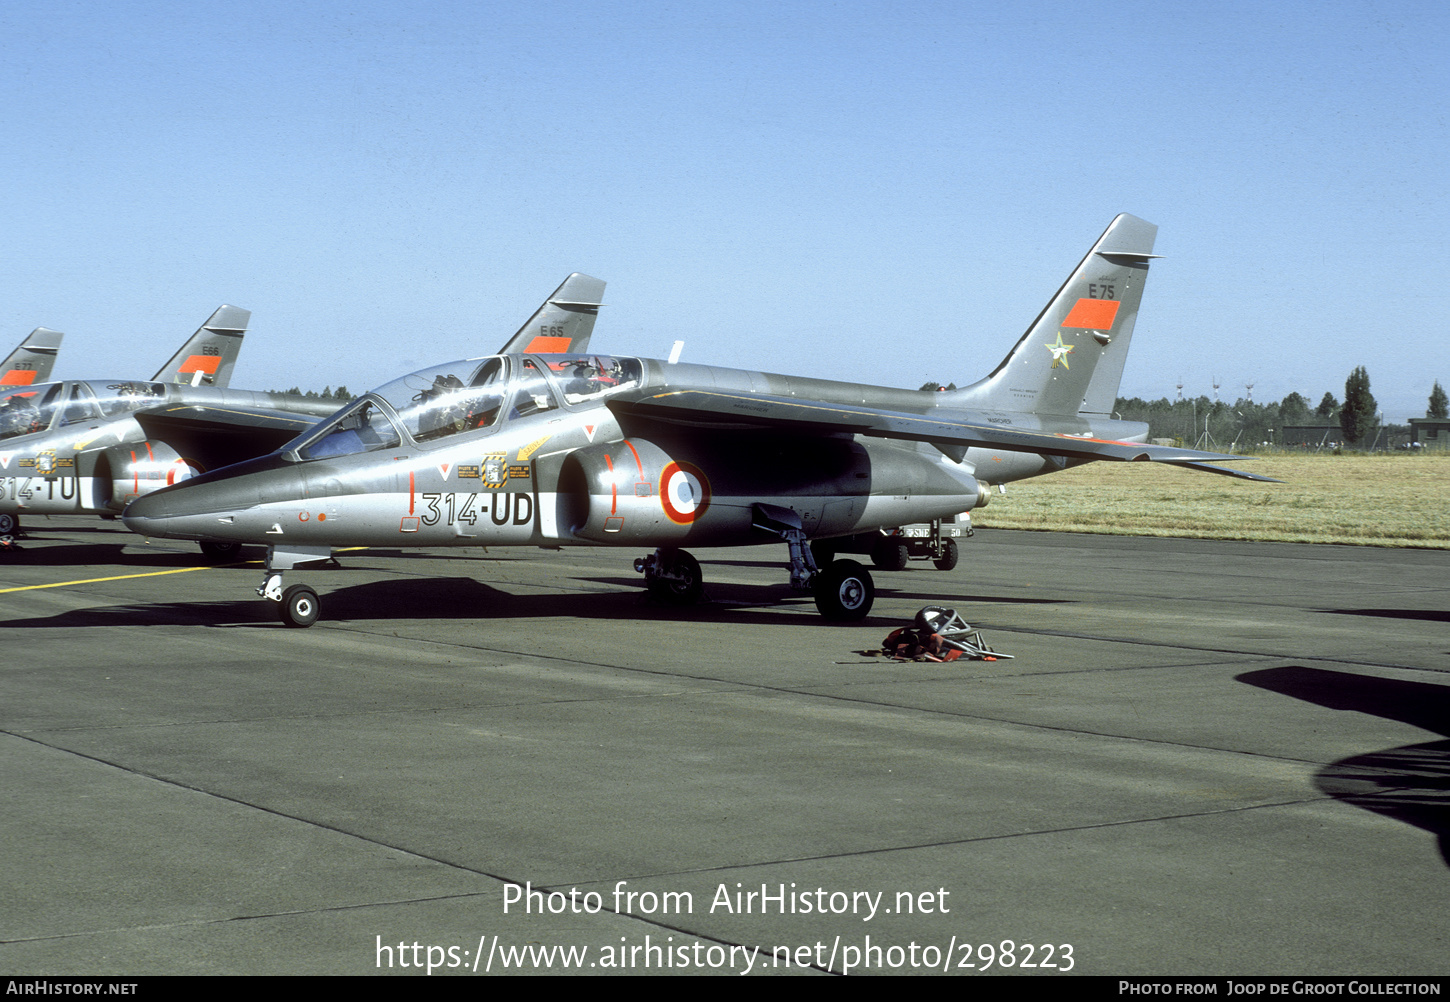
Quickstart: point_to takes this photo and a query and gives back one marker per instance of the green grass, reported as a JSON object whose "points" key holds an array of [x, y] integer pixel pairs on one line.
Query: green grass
{"points": [[1371, 500]]}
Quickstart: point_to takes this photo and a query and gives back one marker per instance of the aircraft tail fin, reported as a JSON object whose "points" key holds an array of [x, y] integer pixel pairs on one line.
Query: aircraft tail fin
{"points": [[32, 359], [1071, 359], [565, 321], [209, 355]]}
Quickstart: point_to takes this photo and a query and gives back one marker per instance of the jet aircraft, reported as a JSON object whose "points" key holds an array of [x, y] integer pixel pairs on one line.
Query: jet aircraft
{"points": [[90, 446], [32, 359], [539, 447]]}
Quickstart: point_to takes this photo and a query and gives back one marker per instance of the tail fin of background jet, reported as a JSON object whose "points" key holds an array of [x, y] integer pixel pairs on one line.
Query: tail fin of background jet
{"points": [[32, 361], [1071, 359], [208, 357], [565, 321]]}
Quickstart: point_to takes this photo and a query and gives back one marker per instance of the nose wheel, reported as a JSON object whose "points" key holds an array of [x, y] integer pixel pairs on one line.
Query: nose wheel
{"points": [[299, 607]]}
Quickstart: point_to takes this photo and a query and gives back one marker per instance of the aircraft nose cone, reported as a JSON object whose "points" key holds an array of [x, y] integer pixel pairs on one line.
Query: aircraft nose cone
{"points": [[174, 509], [192, 506]]}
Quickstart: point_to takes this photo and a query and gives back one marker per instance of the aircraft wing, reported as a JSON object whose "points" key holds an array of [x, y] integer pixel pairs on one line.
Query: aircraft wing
{"points": [[952, 434], [221, 435]]}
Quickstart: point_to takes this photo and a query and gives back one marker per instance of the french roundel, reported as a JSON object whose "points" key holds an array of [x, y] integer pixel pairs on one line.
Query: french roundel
{"points": [[684, 492]]}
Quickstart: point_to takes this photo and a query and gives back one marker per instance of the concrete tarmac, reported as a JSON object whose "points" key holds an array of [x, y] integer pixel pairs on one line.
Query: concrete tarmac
{"points": [[1206, 758]]}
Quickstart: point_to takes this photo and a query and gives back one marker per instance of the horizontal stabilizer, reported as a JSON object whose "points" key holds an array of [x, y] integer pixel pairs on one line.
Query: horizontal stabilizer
{"points": [[1206, 468]]}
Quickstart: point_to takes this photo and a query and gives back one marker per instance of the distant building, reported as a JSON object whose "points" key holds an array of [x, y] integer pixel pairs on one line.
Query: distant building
{"points": [[1430, 432]]}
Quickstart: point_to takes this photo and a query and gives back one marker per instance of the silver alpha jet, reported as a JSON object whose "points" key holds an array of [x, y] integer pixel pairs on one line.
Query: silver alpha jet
{"points": [[91, 446], [543, 447]]}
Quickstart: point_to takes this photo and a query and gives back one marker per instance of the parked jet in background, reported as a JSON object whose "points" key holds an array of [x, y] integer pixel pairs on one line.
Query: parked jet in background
{"points": [[545, 448], [89, 446], [32, 359]]}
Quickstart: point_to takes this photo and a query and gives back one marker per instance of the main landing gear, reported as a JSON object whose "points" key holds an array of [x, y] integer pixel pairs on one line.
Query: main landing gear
{"points": [[844, 591], [672, 576], [9, 532]]}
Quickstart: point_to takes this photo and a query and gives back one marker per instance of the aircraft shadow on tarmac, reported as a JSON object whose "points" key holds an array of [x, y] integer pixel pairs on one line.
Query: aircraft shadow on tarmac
{"points": [[1430, 615], [462, 598], [1410, 783], [774, 594], [100, 554]]}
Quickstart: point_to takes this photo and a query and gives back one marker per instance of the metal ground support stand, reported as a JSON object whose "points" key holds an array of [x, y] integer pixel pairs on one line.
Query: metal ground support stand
{"points": [[786, 524], [955, 632]]}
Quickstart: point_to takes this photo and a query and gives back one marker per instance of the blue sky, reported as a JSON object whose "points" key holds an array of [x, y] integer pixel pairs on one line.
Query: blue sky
{"points": [[875, 192]]}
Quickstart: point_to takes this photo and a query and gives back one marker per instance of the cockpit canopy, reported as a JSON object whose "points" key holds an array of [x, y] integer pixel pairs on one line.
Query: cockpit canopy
{"points": [[434, 404], [26, 410]]}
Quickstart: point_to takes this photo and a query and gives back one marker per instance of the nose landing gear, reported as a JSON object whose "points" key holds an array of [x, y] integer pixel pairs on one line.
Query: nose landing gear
{"points": [[298, 605]]}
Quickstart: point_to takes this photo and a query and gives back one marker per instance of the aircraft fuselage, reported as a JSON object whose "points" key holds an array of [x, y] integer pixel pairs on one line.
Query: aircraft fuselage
{"points": [[561, 465], [76, 447]]}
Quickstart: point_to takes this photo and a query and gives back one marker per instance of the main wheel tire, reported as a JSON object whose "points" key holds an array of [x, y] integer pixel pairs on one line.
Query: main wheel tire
{"points": [[845, 592], [949, 555], [299, 607], [9, 524], [889, 554], [689, 587], [220, 553]]}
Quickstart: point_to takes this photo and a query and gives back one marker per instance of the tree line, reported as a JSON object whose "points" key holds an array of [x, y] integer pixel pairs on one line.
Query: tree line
{"points": [[1355, 421], [1246, 423], [342, 394]]}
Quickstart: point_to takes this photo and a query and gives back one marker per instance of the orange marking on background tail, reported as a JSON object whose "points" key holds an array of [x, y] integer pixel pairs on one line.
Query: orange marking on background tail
{"points": [[18, 377], [1092, 314], [546, 343], [410, 492], [201, 363]]}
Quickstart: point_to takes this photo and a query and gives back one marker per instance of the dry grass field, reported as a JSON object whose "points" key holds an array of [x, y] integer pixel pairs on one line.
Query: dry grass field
{"points": [[1396, 499]]}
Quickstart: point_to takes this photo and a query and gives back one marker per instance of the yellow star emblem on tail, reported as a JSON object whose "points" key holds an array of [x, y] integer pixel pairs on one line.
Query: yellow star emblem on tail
{"points": [[1060, 351]]}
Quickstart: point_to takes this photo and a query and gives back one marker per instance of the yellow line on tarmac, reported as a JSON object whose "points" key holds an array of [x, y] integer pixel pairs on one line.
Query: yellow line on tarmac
{"points": [[149, 574], [118, 577]]}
